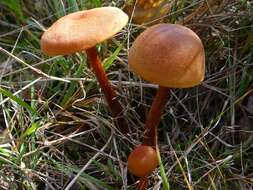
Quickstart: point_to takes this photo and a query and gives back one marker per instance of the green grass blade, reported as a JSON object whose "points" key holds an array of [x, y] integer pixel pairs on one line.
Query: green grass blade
{"points": [[18, 101], [96, 3], [16, 7], [58, 8], [30, 130], [83, 177], [72, 6], [108, 62], [73, 85], [166, 185]]}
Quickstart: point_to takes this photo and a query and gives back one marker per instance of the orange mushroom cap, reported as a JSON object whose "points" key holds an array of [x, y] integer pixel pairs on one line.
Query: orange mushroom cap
{"points": [[82, 30], [142, 161], [170, 55]]}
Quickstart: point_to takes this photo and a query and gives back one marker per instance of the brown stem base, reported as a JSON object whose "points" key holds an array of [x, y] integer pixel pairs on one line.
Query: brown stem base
{"points": [[143, 185], [110, 95]]}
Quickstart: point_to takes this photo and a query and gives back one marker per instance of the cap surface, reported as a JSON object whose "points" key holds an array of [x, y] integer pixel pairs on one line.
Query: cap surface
{"points": [[170, 55], [82, 30], [142, 160]]}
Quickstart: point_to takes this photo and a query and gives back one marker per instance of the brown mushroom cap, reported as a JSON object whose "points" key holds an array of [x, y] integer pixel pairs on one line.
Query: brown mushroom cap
{"points": [[82, 30], [170, 55]]}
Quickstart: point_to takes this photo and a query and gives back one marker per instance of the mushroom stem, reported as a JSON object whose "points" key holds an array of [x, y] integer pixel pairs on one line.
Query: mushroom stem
{"points": [[143, 185], [153, 119], [154, 116], [110, 95]]}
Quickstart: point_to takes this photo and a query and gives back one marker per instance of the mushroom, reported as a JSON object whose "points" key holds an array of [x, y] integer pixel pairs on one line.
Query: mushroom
{"points": [[81, 31], [138, 159], [171, 56]]}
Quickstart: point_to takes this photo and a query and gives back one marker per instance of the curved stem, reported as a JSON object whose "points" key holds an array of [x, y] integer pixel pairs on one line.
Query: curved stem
{"points": [[110, 95], [154, 116], [152, 122]]}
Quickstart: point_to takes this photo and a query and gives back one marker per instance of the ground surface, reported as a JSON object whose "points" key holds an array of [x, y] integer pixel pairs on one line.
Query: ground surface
{"points": [[51, 129]]}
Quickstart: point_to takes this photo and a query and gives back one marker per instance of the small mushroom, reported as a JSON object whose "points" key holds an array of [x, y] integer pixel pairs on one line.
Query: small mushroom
{"points": [[81, 31], [142, 161], [171, 56]]}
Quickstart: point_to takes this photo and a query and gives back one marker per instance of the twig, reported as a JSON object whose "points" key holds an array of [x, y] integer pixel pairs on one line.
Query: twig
{"points": [[25, 87], [89, 162], [31, 67]]}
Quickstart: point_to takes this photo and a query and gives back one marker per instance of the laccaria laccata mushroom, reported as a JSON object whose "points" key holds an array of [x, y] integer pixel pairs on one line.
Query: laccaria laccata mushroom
{"points": [[171, 56], [82, 31]]}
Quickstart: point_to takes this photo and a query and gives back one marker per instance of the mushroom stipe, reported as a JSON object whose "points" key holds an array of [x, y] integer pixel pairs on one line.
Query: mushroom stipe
{"points": [[110, 95], [154, 115]]}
